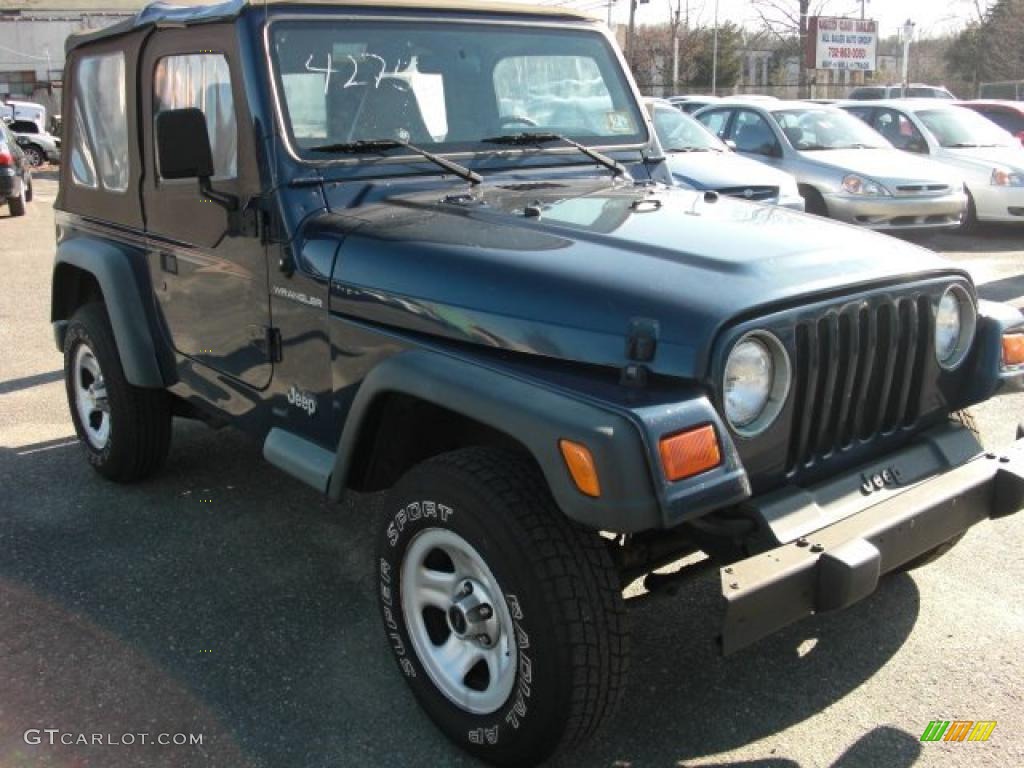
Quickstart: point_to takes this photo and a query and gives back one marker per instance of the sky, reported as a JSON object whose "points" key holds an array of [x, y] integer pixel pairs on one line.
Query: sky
{"points": [[931, 16]]}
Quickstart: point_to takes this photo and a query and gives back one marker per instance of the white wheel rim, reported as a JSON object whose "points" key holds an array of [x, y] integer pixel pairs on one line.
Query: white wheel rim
{"points": [[91, 402], [464, 639]]}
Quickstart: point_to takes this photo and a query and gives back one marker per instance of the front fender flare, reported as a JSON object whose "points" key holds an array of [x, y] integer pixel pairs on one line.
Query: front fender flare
{"points": [[536, 416], [111, 268]]}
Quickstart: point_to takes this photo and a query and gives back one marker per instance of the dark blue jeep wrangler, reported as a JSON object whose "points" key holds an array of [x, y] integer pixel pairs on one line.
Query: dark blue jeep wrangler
{"points": [[431, 249]]}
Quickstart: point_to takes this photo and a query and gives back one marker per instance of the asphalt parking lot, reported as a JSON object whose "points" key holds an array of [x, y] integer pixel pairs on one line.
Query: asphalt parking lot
{"points": [[224, 599]]}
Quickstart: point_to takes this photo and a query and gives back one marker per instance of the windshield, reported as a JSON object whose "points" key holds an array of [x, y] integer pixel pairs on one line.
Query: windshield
{"points": [[681, 133], [446, 86], [819, 129], [963, 128]]}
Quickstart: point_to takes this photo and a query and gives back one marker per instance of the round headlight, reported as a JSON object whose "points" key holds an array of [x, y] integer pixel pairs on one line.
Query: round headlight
{"points": [[954, 326], [756, 382]]}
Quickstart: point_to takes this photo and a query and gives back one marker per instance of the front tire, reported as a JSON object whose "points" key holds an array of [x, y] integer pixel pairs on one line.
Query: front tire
{"points": [[125, 430], [505, 617]]}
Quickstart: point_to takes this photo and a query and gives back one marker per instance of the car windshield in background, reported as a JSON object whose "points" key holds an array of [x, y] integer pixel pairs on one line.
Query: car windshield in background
{"points": [[821, 129], [680, 133], [962, 128], [447, 86]]}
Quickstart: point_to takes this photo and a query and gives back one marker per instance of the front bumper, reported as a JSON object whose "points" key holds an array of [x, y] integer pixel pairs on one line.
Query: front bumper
{"points": [[898, 213], [828, 568], [999, 204]]}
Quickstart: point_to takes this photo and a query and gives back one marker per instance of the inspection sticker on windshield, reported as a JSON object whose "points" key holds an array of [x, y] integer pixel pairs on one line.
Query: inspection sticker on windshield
{"points": [[620, 122]]}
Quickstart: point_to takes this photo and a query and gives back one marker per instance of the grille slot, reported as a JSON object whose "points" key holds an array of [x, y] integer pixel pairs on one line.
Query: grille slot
{"points": [[757, 193], [858, 373]]}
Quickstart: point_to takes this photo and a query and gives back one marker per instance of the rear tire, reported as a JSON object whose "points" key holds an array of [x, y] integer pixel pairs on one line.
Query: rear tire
{"points": [[966, 419], [557, 628], [28, 188], [16, 205], [125, 430]]}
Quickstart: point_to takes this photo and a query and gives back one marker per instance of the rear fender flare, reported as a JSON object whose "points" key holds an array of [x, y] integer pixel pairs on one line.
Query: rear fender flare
{"points": [[110, 266]]}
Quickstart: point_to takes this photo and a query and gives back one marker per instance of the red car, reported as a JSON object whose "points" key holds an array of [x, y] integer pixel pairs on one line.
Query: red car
{"points": [[1006, 114]]}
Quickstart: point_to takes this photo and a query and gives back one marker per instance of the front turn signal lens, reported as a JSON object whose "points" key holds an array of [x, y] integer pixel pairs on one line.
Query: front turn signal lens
{"points": [[1013, 349], [580, 462], [689, 453]]}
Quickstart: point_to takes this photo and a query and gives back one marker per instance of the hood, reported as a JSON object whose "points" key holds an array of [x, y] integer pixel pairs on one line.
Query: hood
{"points": [[482, 268], [718, 170], [885, 165], [984, 159]]}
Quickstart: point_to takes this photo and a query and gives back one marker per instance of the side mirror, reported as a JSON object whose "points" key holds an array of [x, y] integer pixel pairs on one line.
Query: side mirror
{"points": [[183, 145], [183, 152], [769, 150]]}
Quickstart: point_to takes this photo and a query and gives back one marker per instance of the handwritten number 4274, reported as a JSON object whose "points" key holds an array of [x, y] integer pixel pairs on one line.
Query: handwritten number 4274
{"points": [[375, 62]]}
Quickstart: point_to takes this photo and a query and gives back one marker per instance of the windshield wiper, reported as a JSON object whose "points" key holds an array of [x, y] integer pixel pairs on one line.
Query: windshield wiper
{"points": [[691, 149], [537, 138], [961, 145], [379, 145]]}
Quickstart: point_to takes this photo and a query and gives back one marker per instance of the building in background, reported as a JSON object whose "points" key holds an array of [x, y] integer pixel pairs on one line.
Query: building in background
{"points": [[32, 35]]}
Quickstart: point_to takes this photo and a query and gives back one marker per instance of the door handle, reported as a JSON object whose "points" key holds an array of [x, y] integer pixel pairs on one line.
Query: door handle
{"points": [[169, 263]]}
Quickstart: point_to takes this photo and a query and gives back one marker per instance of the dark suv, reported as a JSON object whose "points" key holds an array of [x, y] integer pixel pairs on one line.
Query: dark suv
{"points": [[15, 174], [433, 251]]}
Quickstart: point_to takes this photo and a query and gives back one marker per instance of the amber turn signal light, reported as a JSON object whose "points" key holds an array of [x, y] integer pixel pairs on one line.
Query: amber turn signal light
{"points": [[581, 466], [689, 453], [1013, 349]]}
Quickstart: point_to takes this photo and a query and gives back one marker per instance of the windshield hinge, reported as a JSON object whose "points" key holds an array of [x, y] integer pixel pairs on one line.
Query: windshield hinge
{"points": [[641, 346]]}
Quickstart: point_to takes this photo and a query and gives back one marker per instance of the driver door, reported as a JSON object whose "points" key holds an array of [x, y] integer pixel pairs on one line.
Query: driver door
{"points": [[212, 289]]}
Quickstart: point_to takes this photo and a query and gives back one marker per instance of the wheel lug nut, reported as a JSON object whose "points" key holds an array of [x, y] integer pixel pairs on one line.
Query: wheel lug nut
{"points": [[467, 588], [485, 640], [484, 612]]}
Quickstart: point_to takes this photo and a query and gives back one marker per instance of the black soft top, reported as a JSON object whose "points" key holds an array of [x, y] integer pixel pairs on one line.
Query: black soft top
{"points": [[180, 15]]}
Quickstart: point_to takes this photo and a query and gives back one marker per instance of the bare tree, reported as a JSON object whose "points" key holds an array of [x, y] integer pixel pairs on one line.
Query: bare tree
{"points": [[787, 19]]}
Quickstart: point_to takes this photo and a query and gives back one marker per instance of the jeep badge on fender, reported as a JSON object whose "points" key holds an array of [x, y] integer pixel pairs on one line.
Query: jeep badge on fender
{"points": [[434, 251]]}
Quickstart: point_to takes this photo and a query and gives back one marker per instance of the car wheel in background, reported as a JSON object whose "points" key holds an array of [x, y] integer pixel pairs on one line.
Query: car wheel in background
{"points": [[35, 156], [814, 202], [969, 221]]}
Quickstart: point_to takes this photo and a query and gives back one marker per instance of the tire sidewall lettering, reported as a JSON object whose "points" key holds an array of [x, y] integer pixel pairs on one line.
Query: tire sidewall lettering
{"points": [[488, 730]]}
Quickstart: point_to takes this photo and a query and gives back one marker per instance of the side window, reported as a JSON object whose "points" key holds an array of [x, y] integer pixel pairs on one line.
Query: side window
{"points": [[752, 134], [863, 113], [99, 133], [24, 126], [715, 121], [201, 81], [901, 133], [1006, 120]]}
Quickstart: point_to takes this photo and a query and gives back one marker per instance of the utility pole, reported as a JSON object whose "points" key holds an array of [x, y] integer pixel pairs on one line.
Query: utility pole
{"points": [[714, 55], [862, 4], [675, 48], [908, 34], [631, 33]]}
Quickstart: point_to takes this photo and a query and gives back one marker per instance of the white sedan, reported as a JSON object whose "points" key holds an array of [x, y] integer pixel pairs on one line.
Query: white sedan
{"points": [[989, 159]]}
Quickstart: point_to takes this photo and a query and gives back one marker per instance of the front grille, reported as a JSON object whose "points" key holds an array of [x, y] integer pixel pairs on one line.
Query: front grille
{"points": [[923, 189], [858, 373], [757, 194]]}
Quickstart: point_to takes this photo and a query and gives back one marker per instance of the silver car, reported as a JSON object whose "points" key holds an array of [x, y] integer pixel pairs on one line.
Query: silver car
{"points": [[39, 146], [988, 159], [698, 159], [844, 169]]}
